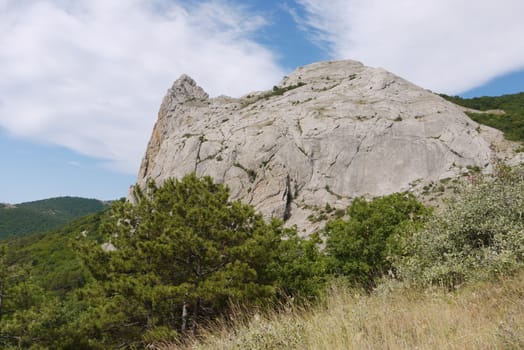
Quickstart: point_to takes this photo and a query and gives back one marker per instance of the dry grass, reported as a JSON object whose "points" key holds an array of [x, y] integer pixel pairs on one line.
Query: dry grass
{"points": [[481, 316]]}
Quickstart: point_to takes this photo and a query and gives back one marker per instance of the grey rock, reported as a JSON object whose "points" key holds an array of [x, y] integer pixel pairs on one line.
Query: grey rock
{"points": [[329, 132], [108, 247]]}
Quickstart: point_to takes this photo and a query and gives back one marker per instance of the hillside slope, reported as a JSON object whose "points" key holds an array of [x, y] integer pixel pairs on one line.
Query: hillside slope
{"points": [[487, 315], [505, 112], [54, 263], [44, 215]]}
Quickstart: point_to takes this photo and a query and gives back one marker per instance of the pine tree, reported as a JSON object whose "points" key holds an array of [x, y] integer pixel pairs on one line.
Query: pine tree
{"points": [[181, 254]]}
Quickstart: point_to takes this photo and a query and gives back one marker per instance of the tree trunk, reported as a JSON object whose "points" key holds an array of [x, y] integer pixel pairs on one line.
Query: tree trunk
{"points": [[185, 314], [194, 322]]}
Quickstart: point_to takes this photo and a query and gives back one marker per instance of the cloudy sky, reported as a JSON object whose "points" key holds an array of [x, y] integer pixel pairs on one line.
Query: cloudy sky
{"points": [[81, 80]]}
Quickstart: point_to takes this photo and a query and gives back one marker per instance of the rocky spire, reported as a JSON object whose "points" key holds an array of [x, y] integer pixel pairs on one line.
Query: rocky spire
{"points": [[185, 89]]}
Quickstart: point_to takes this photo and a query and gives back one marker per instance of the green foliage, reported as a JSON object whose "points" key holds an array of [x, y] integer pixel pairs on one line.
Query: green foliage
{"points": [[252, 174], [511, 122], [277, 90], [4, 278], [44, 215], [297, 266], [52, 258], [183, 254], [508, 103], [39, 274], [477, 237], [361, 248], [21, 302]]}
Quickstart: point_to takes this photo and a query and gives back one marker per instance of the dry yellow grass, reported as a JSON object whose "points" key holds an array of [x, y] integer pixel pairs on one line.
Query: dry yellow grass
{"points": [[481, 316]]}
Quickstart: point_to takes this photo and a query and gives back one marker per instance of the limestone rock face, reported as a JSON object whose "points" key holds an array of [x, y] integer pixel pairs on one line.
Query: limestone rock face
{"points": [[329, 132]]}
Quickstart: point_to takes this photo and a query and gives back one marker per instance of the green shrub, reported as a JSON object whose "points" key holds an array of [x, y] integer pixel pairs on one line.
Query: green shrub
{"points": [[361, 248], [478, 236]]}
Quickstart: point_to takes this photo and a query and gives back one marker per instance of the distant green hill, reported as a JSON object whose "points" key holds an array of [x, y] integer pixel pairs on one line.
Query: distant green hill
{"points": [[44, 215], [511, 122], [52, 259]]}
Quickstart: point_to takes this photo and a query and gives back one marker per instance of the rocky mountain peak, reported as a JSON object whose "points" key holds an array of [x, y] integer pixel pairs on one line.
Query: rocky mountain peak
{"points": [[184, 89], [327, 133]]}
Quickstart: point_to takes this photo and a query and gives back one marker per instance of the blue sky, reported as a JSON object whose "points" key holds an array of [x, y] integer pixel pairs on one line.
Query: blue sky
{"points": [[82, 80]]}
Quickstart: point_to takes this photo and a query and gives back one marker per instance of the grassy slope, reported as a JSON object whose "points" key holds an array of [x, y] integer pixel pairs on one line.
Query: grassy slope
{"points": [[44, 215], [488, 315], [511, 123]]}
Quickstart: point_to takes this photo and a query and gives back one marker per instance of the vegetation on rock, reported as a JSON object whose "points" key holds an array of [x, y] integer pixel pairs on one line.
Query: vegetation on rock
{"points": [[511, 122]]}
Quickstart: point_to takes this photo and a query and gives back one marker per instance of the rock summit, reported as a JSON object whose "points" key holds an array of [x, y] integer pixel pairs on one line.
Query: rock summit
{"points": [[325, 134]]}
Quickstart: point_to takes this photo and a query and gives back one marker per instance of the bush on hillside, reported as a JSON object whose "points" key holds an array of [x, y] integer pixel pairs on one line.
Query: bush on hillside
{"points": [[361, 248], [478, 236]]}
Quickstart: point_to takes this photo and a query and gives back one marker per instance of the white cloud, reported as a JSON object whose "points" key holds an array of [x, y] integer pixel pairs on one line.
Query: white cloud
{"points": [[445, 45], [90, 74]]}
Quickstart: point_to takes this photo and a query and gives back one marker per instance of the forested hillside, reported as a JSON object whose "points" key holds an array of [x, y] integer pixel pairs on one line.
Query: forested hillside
{"points": [[44, 215], [50, 258], [511, 122]]}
